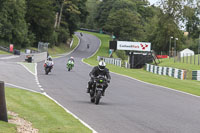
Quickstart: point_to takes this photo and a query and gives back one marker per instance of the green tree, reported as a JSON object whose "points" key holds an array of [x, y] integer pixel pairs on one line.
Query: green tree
{"points": [[13, 27], [40, 17], [69, 14], [192, 20], [124, 29], [92, 13]]}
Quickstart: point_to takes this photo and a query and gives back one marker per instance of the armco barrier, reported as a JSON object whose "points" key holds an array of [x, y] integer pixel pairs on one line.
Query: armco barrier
{"points": [[196, 75], [169, 71], [114, 61]]}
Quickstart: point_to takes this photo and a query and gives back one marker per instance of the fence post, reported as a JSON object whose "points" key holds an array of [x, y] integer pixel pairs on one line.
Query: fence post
{"points": [[3, 110]]}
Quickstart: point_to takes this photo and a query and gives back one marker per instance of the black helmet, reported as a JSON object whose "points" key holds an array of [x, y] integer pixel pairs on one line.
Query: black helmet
{"points": [[101, 65]]}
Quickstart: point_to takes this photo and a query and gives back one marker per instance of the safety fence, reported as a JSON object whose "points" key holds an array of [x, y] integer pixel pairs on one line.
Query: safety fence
{"points": [[196, 75], [114, 61], [168, 71], [187, 58]]}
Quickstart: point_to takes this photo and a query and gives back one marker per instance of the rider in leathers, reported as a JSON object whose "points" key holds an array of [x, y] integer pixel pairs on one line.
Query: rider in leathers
{"points": [[96, 71]]}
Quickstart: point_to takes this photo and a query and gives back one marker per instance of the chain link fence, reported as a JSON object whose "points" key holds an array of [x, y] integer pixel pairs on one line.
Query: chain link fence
{"points": [[43, 47]]}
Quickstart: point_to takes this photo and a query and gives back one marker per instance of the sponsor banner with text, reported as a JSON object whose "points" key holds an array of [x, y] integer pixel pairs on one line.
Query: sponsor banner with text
{"points": [[135, 46]]}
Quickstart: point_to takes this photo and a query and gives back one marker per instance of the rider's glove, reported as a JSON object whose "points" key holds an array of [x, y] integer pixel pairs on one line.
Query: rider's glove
{"points": [[108, 80]]}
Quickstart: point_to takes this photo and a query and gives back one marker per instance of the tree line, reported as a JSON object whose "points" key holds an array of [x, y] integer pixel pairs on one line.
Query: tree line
{"points": [[26, 22], [137, 20]]}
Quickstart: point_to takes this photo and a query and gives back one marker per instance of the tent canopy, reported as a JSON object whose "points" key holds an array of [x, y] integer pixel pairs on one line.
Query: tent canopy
{"points": [[186, 52]]}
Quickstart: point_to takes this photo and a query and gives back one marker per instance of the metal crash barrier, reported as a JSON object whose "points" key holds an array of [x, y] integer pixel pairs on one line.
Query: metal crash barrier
{"points": [[114, 61]]}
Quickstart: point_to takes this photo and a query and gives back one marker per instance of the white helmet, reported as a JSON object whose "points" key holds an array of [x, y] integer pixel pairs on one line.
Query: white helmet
{"points": [[49, 58], [101, 65]]}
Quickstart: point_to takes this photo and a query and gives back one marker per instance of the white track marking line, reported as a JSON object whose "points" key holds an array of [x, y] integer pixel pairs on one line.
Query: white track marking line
{"points": [[20, 87], [71, 113], [9, 57], [26, 68], [45, 94]]}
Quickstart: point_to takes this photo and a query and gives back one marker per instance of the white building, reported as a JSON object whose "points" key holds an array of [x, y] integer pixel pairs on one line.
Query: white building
{"points": [[186, 52]]}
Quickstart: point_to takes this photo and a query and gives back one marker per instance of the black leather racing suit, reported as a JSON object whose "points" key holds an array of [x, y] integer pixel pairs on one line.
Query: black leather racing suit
{"points": [[96, 72]]}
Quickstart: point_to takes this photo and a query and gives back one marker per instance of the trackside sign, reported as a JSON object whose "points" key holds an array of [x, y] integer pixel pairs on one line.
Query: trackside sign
{"points": [[135, 46]]}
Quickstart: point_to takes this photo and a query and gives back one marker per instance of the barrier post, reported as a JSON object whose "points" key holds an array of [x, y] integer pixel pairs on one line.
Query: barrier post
{"points": [[3, 110]]}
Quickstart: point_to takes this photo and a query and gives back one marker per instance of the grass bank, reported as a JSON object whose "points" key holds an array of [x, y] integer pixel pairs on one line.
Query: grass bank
{"points": [[3, 52], [189, 65], [188, 86], [62, 49], [42, 112], [56, 51]]}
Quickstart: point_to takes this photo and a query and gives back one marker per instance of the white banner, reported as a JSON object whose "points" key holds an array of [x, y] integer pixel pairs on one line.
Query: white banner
{"points": [[136, 46]]}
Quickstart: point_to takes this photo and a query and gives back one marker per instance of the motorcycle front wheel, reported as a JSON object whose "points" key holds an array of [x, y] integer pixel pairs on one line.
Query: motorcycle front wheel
{"points": [[47, 71], [98, 97]]}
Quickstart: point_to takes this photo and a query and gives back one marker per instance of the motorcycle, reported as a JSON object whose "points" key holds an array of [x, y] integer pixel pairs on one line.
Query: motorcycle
{"points": [[48, 67], [97, 89], [70, 65]]}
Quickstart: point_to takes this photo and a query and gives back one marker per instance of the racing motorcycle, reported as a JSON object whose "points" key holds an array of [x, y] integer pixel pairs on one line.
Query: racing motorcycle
{"points": [[47, 67], [97, 89], [70, 65]]}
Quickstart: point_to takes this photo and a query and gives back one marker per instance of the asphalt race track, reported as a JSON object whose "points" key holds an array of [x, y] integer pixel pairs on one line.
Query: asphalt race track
{"points": [[129, 106]]}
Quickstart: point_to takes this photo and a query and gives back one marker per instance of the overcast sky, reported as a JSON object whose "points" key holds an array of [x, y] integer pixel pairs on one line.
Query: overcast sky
{"points": [[152, 1]]}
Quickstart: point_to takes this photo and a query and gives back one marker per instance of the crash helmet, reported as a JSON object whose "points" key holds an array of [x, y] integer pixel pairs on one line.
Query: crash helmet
{"points": [[49, 58], [71, 57], [101, 65]]}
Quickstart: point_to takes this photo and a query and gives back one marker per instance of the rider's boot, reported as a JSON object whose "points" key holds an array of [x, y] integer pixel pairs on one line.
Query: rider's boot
{"points": [[103, 93]]}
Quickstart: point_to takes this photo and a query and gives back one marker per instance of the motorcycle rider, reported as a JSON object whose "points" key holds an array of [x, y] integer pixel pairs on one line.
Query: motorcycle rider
{"points": [[96, 71], [49, 63], [71, 59]]}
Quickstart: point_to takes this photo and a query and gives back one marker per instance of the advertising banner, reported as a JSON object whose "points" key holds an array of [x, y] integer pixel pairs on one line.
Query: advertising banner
{"points": [[135, 46], [11, 47]]}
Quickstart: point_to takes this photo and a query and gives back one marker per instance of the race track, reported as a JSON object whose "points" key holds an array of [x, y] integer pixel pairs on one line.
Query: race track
{"points": [[129, 106]]}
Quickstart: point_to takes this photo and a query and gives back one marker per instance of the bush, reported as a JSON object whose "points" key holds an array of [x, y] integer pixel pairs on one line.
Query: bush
{"points": [[121, 54]]}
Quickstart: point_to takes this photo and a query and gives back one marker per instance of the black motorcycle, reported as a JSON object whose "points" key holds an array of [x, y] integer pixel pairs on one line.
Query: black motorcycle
{"points": [[97, 89]]}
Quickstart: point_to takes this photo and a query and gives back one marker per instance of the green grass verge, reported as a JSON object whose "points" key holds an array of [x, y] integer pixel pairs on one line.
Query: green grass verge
{"points": [[183, 64], [7, 127], [42, 112], [180, 65], [3, 52], [30, 66], [188, 86], [56, 51], [103, 51]]}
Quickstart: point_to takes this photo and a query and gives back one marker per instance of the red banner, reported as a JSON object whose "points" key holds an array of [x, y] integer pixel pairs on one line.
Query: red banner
{"points": [[11, 47], [161, 56]]}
